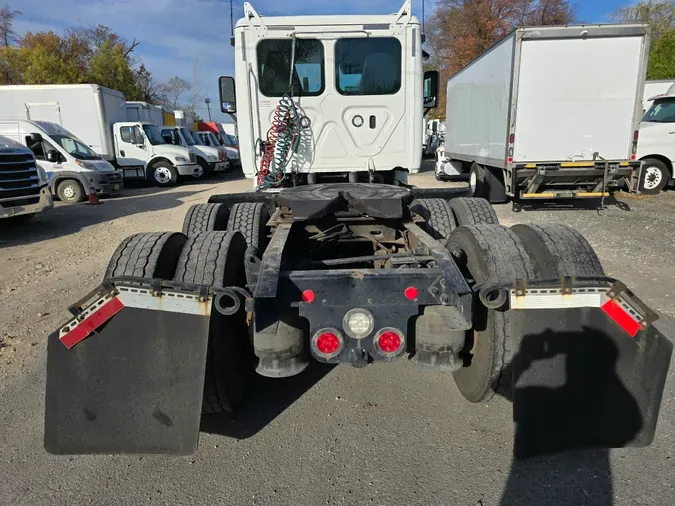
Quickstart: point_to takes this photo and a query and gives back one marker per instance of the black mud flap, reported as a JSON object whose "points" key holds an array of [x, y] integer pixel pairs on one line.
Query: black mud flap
{"points": [[133, 386], [582, 381]]}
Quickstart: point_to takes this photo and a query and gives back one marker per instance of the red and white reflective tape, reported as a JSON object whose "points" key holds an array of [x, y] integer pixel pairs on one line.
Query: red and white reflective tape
{"points": [[620, 309], [104, 308]]}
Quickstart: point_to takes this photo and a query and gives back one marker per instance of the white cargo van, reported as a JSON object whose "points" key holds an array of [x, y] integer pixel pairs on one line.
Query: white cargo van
{"points": [[74, 170], [657, 143], [549, 112], [24, 188], [98, 116], [210, 160]]}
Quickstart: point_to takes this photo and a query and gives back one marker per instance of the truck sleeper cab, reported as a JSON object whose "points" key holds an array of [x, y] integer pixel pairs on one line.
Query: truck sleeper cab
{"points": [[74, 170], [142, 153], [352, 87]]}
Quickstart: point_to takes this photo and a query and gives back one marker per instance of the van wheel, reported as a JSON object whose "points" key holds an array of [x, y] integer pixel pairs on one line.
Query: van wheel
{"points": [[655, 176], [164, 174], [70, 191]]}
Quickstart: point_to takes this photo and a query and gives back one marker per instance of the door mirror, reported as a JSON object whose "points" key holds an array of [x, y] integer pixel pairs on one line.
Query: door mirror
{"points": [[53, 156], [228, 95], [35, 138], [431, 81]]}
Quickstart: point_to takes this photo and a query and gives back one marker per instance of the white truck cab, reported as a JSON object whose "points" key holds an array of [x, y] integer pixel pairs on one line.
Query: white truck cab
{"points": [[209, 159], [73, 169], [24, 187], [142, 152], [232, 152], [656, 148], [322, 98]]}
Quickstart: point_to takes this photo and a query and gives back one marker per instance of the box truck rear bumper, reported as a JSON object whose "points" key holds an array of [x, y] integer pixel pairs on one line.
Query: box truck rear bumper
{"points": [[573, 179], [31, 204]]}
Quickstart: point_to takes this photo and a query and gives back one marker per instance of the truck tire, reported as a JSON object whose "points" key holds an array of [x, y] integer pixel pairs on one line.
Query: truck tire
{"points": [[440, 221], [558, 250], [70, 191], [204, 169], [477, 187], [148, 255], [655, 176], [205, 218], [472, 211], [494, 254], [163, 174], [250, 218], [216, 259]]}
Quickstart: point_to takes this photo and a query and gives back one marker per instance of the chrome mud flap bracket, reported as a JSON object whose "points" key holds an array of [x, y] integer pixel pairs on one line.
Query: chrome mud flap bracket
{"points": [[589, 366], [126, 373]]}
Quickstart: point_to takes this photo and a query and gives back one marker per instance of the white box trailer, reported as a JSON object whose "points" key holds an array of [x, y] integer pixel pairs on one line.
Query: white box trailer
{"points": [[549, 112]]}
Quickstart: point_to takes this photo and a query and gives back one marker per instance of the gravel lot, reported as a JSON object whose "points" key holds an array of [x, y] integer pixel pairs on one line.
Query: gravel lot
{"points": [[389, 434]]}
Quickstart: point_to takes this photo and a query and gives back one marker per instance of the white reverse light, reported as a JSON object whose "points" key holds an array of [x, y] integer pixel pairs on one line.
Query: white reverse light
{"points": [[358, 323]]}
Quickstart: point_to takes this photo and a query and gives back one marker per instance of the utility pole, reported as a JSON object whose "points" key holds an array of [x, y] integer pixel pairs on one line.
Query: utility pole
{"points": [[208, 107]]}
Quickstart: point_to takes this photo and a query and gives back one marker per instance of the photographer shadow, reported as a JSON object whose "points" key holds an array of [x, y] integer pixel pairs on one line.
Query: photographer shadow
{"points": [[569, 406]]}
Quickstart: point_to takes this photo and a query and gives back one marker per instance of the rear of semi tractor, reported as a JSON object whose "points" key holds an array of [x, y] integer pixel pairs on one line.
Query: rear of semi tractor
{"points": [[549, 113], [348, 273]]}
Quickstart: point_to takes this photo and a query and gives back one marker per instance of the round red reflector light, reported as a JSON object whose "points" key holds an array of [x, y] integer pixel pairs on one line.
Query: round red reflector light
{"points": [[327, 343], [510, 159], [308, 296], [633, 157], [389, 342], [411, 293]]}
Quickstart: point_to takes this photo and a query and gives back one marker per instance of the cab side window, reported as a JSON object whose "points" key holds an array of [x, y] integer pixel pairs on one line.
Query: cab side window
{"points": [[40, 149], [128, 135]]}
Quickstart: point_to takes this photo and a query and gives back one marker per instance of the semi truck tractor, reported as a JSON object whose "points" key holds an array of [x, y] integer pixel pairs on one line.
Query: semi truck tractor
{"points": [[349, 273], [522, 123], [98, 116], [24, 185]]}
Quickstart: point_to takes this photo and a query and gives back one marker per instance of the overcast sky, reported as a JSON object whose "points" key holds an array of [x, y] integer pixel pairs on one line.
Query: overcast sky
{"points": [[173, 33]]}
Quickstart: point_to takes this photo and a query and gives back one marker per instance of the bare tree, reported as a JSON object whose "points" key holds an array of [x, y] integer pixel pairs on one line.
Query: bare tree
{"points": [[660, 14], [173, 90], [7, 34]]}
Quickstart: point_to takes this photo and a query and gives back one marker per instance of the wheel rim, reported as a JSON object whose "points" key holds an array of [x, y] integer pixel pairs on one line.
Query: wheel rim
{"points": [[162, 175], [653, 178], [472, 182], [69, 192], [200, 172]]}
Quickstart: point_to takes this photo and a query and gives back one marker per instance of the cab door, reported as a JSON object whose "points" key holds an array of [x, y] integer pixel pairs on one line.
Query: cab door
{"points": [[131, 147]]}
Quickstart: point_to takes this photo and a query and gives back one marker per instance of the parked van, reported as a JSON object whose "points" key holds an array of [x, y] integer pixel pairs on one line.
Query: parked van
{"points": [[73, 169], [210, 159], [98, 116], [24, 189], [657, 143]]}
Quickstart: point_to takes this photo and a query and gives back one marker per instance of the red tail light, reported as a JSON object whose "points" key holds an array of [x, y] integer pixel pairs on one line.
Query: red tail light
{"points": [[327, 343], [411, 293], [512, 138], [389, 341], [621, 317], [636, 134], [308, 296]]}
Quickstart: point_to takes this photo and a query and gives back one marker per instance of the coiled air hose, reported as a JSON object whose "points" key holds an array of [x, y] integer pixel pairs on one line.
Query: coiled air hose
{"points": [[282, 141]]}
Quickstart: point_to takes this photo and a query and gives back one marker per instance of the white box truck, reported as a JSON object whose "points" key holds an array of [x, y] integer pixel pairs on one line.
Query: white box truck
{"points": [[145, 112], [549, 112], [185, 120], [98, 116], [657, 143]]}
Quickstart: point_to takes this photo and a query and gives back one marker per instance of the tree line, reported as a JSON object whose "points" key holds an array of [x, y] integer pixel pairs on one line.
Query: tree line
{"points": [[81, 55]]}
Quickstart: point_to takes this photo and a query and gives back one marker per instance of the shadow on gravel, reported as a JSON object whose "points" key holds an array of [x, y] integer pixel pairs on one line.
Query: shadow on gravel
{"points": [[568, 398], [64, 220], [269, 398]]}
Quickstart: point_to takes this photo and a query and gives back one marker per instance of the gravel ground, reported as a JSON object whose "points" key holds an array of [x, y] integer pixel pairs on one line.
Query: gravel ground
{"points": [[389, 434]]}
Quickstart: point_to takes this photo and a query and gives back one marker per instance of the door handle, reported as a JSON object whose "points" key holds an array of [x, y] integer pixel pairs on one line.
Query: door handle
{"points": [[122, 153]]}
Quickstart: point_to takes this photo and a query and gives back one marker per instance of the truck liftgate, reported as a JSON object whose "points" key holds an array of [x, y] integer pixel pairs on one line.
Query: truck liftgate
{"points": [[353, 273]]}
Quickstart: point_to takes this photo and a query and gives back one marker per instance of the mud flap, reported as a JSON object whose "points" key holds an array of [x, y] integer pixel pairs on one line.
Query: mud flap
{"points": [[133, 386], [582, 381]]}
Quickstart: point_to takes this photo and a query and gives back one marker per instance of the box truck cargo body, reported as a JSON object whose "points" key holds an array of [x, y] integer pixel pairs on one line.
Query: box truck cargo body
{"points": [[549, 112], [145, 112], [98, 116]]}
